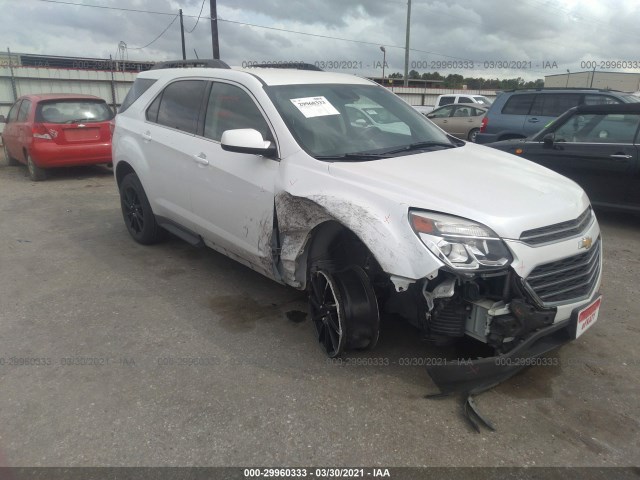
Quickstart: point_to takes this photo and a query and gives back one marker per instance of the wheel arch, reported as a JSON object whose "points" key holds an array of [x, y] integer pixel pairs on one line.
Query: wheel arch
{"points": [[333, 245], [123, 169]]}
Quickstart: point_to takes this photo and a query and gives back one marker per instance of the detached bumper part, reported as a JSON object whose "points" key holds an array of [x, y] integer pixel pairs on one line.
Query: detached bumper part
{"points": [[475, 376]]}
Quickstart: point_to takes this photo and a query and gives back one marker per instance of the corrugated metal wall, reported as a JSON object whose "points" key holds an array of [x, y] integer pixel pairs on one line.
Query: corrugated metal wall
{"points": [[29, 80]]}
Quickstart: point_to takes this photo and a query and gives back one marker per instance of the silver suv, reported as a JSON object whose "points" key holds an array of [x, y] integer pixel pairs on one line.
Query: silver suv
{"points": [[267, 167]]}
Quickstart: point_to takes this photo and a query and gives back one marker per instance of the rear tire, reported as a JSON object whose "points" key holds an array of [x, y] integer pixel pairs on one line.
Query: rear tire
{"points": [[473, 134], [36, 173], [8, 159], [136, 212]]}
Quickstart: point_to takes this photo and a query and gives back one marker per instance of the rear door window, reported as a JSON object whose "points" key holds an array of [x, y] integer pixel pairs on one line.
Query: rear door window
{"points": [[13, 113], [23, 113], [180, 105], [465, 100], [554, 104], [519, 104], [447, 100]]}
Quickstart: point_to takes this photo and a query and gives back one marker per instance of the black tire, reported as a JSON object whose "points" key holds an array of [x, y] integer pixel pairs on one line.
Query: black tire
{"points": [[136, 212], [473, 134], [8, 159], [36, 173], [344, 310]]}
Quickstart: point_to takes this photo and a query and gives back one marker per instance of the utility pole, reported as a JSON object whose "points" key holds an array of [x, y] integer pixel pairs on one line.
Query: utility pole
{"points": [[406, 46], [214, 29], [184, 54]]}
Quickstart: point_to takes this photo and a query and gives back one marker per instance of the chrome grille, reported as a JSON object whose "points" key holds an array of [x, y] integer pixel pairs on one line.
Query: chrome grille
{"points": [[566, 280], [558, 231]]}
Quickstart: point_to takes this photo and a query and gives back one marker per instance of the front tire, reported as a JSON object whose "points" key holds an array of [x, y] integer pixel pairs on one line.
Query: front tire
{"points": [[136, 211], [36, 173], [344, 310]]}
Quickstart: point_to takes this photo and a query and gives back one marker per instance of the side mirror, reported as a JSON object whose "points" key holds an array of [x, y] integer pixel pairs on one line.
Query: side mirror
{"points": [[2, 119], [548, 139], [247, 140], [430, 115]]}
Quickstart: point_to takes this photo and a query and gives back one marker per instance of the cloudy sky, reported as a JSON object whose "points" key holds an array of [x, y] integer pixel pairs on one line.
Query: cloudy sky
{"points": [[537, 37]]}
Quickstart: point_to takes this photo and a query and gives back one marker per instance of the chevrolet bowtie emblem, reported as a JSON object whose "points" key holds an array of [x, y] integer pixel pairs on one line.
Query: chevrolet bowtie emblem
{"points": [[585, 243]]}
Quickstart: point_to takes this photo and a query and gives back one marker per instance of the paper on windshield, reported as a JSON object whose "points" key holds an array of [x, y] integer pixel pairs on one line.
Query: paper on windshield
{"points": [[314, 106]]}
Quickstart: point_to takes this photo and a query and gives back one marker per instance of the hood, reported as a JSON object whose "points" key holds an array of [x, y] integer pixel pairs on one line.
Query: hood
{"points": [[502, 191]]}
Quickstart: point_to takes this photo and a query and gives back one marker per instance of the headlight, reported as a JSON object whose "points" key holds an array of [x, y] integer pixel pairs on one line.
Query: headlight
{"points": [[460, 243]]}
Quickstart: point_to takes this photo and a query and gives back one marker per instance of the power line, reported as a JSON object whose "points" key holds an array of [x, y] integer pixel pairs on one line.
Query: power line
{"points": [[194, 27], [110, 8], [284, 30], [157, 38]]}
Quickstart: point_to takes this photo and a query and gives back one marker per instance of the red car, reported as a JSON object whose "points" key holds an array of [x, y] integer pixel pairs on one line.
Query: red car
{"points": [[57, 130]]}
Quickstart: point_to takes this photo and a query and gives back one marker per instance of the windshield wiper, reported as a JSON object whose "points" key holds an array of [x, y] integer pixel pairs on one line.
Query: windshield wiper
{"points": [[83, 119], [418, 146], [353, 156]]}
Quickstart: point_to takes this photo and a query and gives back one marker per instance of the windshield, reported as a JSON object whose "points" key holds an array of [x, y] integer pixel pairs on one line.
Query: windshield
{"points": [[340, 120], [482, 100], [71, 111], [632, 99]]}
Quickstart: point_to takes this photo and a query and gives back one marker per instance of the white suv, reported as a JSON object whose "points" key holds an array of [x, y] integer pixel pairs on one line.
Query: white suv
{"points": [[265, 166]]}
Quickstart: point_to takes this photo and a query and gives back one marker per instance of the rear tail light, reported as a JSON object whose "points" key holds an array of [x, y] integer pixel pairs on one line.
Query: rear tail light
{"points": [[40, 131], [483, 127], [112, 126]]}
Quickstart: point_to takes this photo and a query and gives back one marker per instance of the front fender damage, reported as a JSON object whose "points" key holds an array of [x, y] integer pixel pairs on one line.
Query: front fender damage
{"points": [[297, 216]]}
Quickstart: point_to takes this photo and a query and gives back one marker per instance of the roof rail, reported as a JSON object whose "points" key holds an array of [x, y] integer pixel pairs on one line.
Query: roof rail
{"points": [[197, 63], [561, 88], [290, 65]]}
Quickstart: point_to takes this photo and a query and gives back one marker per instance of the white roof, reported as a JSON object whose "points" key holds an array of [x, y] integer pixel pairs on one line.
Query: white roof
{"points": [[270, 76], [282, 76]]}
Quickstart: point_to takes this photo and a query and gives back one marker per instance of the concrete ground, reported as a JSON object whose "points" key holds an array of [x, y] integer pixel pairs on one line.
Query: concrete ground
{"points": [[115, 354]]}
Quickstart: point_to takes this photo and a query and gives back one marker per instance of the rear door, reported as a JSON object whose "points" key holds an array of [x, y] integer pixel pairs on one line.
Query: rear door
{"points": [[22, 128], [546, 107], [166, 139], [9, 134]]}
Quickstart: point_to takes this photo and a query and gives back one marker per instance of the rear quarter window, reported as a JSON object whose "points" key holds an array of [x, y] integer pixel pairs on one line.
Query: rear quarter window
{"points": [[140, 85]]}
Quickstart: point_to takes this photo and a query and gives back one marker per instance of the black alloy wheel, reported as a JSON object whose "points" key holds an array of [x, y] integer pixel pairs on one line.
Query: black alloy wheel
{"points": [[344, 310]]}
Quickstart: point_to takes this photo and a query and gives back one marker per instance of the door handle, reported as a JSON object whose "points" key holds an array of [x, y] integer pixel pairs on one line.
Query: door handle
{"points": [[201, 158], [533, 120], [621, 156]]}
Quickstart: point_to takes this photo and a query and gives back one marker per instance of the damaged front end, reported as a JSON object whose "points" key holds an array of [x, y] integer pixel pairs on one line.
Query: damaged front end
{"points": [[493, 309], [479, 300]]}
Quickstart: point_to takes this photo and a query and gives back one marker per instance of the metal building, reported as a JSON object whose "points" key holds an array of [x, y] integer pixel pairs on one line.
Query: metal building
{"points": [[622, 81]]}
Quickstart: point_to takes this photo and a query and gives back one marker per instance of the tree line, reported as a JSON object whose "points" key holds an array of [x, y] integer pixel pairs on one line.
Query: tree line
{"points": [[454, 80]]}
